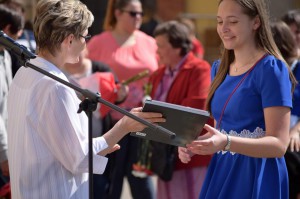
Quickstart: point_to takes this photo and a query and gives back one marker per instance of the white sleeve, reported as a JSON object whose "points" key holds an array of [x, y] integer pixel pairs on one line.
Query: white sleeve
{"points": [[65, 132]]}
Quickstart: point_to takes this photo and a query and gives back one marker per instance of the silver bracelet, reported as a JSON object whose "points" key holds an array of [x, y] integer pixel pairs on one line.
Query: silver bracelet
{"points": [[227, 147]]}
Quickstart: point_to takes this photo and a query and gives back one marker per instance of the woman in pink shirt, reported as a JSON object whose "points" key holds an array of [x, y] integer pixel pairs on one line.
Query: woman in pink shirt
{"points": [[127, 51]]}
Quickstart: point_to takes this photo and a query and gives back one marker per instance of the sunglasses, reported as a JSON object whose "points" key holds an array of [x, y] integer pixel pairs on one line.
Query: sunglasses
{"points": [[87, 37], [134, 13]]}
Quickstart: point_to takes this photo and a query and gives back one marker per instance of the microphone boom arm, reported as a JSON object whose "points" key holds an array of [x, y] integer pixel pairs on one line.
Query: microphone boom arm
{"points": [[24, 54], [95, 97], [19, 50]]}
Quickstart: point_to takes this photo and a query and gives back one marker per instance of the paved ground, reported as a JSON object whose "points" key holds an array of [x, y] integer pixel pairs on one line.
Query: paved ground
{"points": [[126, 191]]}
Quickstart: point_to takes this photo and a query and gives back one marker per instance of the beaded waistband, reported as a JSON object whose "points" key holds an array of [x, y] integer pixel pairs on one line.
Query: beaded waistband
{"points": [[257, 133]]}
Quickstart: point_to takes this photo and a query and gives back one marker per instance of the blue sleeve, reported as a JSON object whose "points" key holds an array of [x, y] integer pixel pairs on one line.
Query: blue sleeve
{"points": [[274, 84]]}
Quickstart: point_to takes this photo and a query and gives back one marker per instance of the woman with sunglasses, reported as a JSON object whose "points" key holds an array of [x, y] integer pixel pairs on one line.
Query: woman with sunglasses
{"points": [[47, 138], [127, 51]]}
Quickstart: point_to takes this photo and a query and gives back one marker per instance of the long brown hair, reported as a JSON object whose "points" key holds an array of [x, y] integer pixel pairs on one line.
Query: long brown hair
{"points": [[263, 39], [285, 41], [110, 20]]}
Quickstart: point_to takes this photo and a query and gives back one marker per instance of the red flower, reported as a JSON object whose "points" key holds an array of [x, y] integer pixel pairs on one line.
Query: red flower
{"points": [[141, 171]]}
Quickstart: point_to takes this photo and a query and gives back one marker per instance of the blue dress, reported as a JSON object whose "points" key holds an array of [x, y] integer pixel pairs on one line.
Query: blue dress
{"points": [[235, 176]]}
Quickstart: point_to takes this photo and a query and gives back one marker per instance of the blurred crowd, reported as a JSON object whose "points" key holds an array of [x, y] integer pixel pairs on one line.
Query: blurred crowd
{"points": [[177, 73]]}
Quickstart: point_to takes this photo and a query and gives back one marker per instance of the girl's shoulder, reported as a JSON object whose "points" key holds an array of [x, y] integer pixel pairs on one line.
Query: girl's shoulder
{"points": [[270, 63]]}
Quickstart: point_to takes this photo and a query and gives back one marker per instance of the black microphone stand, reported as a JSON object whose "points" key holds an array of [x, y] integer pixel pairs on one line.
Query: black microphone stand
{"points": [[89, 104]]}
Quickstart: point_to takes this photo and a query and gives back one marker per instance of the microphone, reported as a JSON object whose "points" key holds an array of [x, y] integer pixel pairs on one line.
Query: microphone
{"points": [[16, 48]]}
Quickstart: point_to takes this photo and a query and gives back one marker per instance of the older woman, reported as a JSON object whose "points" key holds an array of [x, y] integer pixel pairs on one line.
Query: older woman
{"points": [[47, 139], [182, 79]]}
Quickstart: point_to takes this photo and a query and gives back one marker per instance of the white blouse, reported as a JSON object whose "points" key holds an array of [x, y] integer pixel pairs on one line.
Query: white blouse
{"points": [[47, 139]]}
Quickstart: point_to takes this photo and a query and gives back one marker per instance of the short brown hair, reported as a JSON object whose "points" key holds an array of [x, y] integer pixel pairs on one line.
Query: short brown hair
{"points": [[292, 17], [56, 19], [10, 15], [177, 34]]}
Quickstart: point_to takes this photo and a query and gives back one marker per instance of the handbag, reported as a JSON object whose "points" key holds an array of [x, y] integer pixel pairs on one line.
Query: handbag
{"points": [[163, 159], [155, 157]]}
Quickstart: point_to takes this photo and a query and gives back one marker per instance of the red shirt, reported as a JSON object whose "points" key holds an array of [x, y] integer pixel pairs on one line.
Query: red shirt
{"points": [[189, 88], [198, 49]]}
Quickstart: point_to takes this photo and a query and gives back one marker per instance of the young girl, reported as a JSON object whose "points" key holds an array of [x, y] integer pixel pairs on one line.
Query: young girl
{"points": [[250, 100]]}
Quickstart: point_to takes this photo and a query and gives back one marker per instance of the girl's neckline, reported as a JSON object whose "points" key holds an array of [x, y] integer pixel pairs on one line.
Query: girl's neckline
{"points": [[251, 68]]}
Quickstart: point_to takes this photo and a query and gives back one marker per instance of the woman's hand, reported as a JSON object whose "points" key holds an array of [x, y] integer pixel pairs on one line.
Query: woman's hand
{"points": [[126, 125], [209, 143], [109, 150], [130, 125]]}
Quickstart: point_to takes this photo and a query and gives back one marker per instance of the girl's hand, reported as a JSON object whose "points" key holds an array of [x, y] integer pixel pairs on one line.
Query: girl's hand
{"points": [[184, 154], [209, 143]]}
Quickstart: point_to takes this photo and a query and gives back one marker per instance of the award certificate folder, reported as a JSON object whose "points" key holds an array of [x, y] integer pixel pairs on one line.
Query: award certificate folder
{"points": [[187, 123]]}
